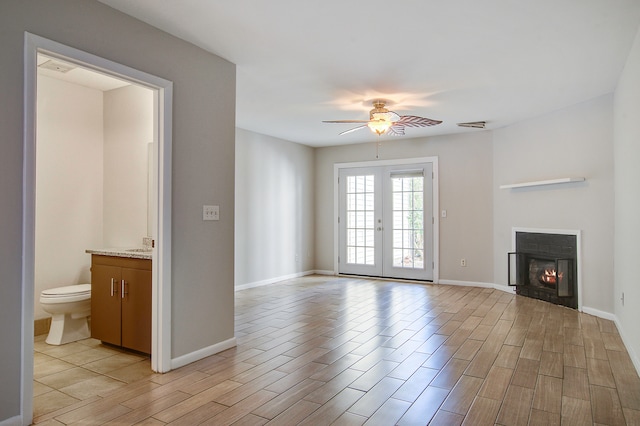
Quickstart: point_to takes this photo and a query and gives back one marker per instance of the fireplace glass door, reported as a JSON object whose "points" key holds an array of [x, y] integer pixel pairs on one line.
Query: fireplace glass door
{"points": [[550, 275]]}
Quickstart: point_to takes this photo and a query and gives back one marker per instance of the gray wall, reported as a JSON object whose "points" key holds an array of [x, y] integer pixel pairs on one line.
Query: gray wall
{"points": [[274, 208], [627, 200], [203, 166], [465, 181], [572, 142]]}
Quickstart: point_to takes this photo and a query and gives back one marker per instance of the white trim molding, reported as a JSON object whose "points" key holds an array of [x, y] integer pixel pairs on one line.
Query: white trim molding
{"points": [[273, 280], [194, 356], [13, 421], [494, 286], [324, 272], [632, 354], [598, 313], [281, 278]]}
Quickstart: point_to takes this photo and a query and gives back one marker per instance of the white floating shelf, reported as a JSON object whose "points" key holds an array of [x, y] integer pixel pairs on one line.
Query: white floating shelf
{"points": [[543, 182]]}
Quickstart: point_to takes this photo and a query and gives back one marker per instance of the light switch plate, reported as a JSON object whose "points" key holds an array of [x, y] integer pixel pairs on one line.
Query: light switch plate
{"points": [[210, 212]]}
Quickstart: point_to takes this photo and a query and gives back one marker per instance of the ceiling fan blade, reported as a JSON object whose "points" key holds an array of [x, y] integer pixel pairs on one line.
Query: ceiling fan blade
{"points": [[395, 130], [345, 121], [415, 121], [393, 116], [353, 130]]}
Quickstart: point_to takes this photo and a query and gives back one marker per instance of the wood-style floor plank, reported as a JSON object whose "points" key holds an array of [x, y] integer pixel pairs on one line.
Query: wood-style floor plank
{"points": [[462, 395], [576, 411], [335, 350], [483, 411], [516, 406]]}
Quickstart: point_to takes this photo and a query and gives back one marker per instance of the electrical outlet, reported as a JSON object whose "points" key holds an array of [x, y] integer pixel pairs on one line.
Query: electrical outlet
{"points": [[463, 262], [444, 213]]}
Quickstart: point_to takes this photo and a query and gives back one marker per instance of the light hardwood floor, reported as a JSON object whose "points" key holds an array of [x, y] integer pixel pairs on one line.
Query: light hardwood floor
{"points": [[324, 350]]}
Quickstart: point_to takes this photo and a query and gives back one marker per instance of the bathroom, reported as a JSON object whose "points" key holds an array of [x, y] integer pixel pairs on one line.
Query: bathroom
{"points": [[94, 136]]}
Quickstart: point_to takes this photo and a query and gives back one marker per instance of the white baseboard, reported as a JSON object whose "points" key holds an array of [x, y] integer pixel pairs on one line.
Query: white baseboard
{"points": [[202, 353], [599, 313], [612, 317], [500, 287], [324, 272], [13, 421], [627, 345], [276, 280]]}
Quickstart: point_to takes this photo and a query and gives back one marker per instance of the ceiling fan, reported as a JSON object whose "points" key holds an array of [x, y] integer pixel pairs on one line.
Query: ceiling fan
{"points": [[383, 121]]}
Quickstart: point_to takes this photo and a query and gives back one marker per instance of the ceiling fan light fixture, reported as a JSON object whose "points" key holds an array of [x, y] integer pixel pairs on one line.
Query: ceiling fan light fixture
{"points": [[380, 122], [379, 126]]}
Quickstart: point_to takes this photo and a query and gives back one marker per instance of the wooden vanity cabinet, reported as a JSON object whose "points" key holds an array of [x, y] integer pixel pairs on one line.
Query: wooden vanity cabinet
{"points": [[121, 301]]}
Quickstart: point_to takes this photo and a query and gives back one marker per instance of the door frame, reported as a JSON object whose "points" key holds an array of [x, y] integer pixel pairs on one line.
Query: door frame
{"points": [[161, 190], [377, 163]]}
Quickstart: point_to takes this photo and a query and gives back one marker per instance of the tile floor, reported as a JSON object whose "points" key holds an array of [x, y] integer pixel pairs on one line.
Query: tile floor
{"points": [[67, 374], [325, 350]]}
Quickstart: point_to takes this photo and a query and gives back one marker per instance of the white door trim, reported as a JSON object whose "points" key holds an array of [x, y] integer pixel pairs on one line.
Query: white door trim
{"points": [[436, 206], [161, 305]]}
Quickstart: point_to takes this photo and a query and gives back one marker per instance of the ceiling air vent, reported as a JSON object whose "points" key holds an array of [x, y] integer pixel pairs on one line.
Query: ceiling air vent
{"points": [[473, 124], [57, 66]]}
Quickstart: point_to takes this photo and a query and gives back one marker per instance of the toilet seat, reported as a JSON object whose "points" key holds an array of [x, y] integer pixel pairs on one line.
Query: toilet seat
{"points": [[70, 293]]}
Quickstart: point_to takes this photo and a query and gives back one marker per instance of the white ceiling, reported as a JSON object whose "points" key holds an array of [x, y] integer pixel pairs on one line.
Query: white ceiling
{"points": [[301, 62], [76, 74]]}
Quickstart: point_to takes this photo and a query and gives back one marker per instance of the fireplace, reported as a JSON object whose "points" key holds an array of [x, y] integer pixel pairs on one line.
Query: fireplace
{"points": [[544, 266]]}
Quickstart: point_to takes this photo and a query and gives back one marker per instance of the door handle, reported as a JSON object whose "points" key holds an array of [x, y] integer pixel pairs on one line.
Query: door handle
{"points": [[114, 290], [122, 288], [379, 228]]}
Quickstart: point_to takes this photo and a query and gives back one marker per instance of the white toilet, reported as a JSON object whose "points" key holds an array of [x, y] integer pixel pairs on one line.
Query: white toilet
{"points": [[69, 306]]}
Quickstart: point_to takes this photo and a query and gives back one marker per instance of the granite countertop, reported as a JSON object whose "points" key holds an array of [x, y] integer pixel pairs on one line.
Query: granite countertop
{"points": [[131, 252]]}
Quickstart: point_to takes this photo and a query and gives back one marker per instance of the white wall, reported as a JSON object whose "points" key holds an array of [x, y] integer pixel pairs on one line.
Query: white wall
{"points": [[573, 142], [627, 201], [91, 177], [274, 208], [466, 178], [202, 281], [68, 184], [128, 130]]}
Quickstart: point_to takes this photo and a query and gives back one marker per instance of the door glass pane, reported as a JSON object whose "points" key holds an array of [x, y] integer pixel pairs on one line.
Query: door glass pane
{"points": [[360, 220], [408, 222]]}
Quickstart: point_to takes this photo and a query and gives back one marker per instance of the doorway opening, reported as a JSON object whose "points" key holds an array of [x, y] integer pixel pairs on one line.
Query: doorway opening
{"points": [[386, 224], [158, 195]]}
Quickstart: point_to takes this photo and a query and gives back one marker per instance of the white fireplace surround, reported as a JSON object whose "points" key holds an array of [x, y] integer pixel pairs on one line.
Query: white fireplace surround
{"points": [[578, 235]]}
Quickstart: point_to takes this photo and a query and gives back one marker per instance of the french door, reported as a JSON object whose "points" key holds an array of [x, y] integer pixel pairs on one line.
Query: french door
{"points": [[386, 221]]}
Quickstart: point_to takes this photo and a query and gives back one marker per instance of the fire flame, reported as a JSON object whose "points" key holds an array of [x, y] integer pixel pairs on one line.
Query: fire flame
{"points": [[549, 276]]}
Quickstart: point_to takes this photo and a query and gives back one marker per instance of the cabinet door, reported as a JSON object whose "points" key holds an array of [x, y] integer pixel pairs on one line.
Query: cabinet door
{"points": [[136, 310], [105, 303]]}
